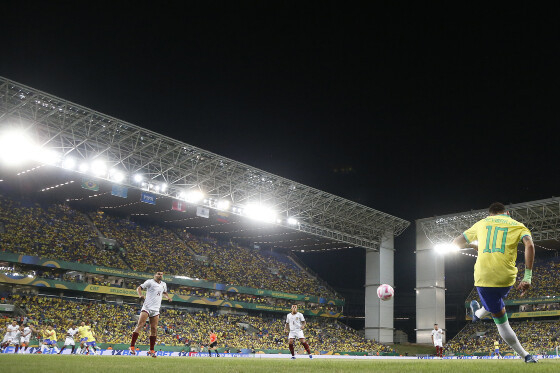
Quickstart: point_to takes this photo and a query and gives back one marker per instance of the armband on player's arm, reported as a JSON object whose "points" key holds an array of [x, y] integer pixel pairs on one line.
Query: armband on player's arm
{"points": [[528, 276]]}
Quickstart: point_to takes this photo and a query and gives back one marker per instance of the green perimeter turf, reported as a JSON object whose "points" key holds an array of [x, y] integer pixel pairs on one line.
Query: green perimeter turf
{"points": [[123, 364]]}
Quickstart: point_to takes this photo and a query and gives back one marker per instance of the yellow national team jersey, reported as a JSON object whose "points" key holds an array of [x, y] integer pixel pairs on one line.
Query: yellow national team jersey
{"points": [[90, 337], [497, 237], [83, 331], [496, 345], [50, 335]]}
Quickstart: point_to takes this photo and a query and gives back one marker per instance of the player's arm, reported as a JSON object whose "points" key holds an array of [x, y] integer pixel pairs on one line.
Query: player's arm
{"points": [[461, 242], [139, 291], [286, 326], [525, 284], [167, 295], [303, 323]]}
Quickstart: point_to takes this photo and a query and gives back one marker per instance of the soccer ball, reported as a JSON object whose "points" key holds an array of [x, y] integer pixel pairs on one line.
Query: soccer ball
{"points": [[385, 292]]}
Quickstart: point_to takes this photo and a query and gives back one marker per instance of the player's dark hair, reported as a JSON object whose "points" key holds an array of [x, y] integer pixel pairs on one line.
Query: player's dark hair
{"points": [[497, 208]]}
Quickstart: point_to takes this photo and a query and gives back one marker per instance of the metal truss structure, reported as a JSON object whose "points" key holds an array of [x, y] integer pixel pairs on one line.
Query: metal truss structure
{"points": [[82, 133], [541, 217]]}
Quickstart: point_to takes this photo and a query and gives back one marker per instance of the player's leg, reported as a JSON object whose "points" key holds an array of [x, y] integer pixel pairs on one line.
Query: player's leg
{"points": [[153, 333], [141, 322], [291, 347], [306, 346]]}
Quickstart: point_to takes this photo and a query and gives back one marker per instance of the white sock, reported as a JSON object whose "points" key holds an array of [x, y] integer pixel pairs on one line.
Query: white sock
{"points": [[482, 313], [508, 335]]}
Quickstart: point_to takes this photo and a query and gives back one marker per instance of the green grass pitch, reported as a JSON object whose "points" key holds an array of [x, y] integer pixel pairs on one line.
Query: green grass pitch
{"points": [[125, 364]]}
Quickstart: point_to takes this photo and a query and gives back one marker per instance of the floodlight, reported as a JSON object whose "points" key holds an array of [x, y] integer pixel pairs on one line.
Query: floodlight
{"points": [[69, 163], [99, 168], [15, 147], [84, 167], [138, 178], [48, 156], [163, 187], [223, 204], [292, 221], [260, 212], [444, 248], [194, 196], [116, 176]]}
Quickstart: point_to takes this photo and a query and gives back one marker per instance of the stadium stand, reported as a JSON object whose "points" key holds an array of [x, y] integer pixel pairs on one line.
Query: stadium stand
{"points": [[58, 231], [183, 328], [535, 336]]}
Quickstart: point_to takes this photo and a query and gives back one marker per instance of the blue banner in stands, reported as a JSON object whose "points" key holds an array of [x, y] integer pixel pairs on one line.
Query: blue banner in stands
{"points": [[148, 198], [119, 191]]}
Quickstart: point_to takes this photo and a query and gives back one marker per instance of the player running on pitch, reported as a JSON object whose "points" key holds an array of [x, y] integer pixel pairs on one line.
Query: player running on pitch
{"points": [[83, 332], [70, 333], [495, 270], [296, 323], [155, 289], [437, 340], [12, 331]]}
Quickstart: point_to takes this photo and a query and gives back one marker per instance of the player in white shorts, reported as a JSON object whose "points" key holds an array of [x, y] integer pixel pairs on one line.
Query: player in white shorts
{"points": [[155, 289], [25, 337], [437, 340], [70, 334], [296, 323], [12, 332]]}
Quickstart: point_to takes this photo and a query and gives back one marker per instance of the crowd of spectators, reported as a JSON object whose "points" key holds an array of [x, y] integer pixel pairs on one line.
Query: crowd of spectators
{"points": [[230, 262], [545, 281], [56, 231], [113, 323], [534, 336], [60, 232]]}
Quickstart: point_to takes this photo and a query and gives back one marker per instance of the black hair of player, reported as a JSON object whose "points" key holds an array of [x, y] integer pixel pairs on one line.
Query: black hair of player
{"points": [[497, 208]]}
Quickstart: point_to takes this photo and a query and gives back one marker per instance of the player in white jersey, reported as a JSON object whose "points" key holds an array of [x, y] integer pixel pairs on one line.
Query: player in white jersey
{"points": [[70, 334], [12, 333], [437, 340], [155, 289], [25, 337], [295, 322]]}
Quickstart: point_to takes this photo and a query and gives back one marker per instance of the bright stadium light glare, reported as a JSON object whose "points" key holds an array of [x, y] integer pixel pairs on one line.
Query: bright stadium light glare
{"points": [[445, 248], [84, 167], [194, 196], [116, 176], [48, 156], [223, 204], [15, 147], [138, 178], [259, 212], [99, 168], [292, 221], [69, 163], [163, 187]]}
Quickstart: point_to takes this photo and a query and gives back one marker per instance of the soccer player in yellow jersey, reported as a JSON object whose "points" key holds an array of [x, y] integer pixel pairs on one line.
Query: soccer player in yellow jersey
{"points": [[91, 341], [495, 271], [49, 339], [83, 331]]}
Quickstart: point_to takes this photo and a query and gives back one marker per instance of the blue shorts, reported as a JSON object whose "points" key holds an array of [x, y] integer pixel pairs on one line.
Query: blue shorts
{"points": [[497, 351], [493, 298], [91, 343], [48, 342], [83, 340]]}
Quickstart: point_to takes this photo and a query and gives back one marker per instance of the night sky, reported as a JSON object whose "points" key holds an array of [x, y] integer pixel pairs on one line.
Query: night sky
{"points": [[415, 109]]}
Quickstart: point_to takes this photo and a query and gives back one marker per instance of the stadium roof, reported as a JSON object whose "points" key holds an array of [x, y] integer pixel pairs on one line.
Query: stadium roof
{"points": [[542, 217], [300, 217]]}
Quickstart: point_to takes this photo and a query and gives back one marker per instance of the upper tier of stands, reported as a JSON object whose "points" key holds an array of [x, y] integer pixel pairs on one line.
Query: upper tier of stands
{"points": [[60, 232]]}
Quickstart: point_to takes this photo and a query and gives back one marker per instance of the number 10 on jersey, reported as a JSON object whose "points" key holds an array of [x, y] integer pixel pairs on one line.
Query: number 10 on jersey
{"points": [[492, 238]]}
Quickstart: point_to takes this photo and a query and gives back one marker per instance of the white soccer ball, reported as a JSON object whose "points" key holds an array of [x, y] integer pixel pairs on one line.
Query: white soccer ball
{"points": [[385, 292]]}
